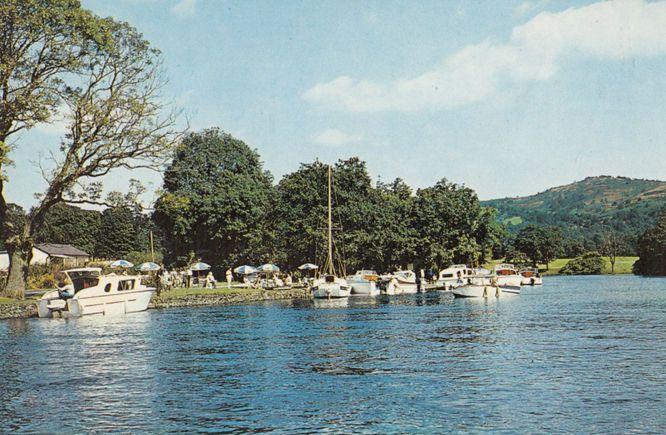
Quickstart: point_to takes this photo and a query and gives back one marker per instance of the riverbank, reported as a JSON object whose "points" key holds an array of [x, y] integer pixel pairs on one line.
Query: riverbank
{"points": [[623, 266], [207, 297], [189, 297]]}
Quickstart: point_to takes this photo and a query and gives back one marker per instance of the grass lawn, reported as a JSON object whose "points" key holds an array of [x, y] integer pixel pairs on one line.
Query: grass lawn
{"points": [[622, 265], [182, 292], [10, 301]]}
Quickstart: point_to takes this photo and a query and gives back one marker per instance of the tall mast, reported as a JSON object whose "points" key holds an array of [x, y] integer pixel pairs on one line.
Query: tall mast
{"points": [[330, 226]]}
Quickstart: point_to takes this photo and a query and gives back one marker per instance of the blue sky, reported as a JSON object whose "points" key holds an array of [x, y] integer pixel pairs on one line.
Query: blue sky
{"points": [[509, 97]]}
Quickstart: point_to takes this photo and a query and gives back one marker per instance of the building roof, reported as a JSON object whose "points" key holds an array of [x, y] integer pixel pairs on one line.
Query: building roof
{"points": [[58, 250]]}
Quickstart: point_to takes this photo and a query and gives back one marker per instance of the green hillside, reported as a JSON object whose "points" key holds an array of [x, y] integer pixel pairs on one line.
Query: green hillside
{"points": [[586, 208]]}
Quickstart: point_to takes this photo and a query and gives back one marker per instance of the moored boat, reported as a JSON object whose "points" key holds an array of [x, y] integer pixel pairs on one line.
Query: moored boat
{"points": [[406, 282], [91, 292], [478, 290], [508, 278], [364, 283], [330, 286], [453, 276], [531, 276]]}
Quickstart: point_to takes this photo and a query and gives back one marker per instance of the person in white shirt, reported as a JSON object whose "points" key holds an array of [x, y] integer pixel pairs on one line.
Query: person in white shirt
{"points": [[230, 277]]}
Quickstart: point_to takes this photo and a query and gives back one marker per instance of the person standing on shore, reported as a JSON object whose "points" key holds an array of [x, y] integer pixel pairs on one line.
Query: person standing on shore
{"points": [[230, 277]]}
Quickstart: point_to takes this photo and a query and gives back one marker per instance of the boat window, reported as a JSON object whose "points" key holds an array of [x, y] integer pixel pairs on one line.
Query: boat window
{"points": [[127, 284], [447, 275], [107, 288]]}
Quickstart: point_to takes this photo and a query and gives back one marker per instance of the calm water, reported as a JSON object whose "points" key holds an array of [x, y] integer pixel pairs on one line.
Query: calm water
{"points": [[578, 355]]}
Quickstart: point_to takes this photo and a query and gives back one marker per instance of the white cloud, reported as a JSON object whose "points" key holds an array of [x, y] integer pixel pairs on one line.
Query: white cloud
{"points": [[529, 6], [612, 29], [184, 7], [334, 137]]}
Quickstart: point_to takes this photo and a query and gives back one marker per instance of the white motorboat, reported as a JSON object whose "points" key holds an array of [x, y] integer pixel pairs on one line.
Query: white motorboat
{"points": [[531, 276], [478, 290], [401, 282], [453, 276], [330, 286], [364, 283], [508, 278], [91, 292]]}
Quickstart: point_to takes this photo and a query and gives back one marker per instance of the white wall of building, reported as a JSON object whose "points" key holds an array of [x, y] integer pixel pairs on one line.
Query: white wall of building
{"points": [[38, 257]]}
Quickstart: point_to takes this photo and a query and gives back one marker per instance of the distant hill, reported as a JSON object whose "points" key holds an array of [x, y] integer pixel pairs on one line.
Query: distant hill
{"points": [[582, 209]]}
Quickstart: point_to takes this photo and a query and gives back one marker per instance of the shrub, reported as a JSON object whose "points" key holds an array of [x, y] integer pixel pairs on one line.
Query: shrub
{"points": [[590, 263]]}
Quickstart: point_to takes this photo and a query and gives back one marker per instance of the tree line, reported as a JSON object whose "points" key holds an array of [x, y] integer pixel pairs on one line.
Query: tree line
{"points": [[219, 205]]}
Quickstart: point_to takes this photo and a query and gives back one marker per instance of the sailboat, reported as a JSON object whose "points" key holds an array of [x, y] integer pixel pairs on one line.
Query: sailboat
{"points": [[330, 286]]}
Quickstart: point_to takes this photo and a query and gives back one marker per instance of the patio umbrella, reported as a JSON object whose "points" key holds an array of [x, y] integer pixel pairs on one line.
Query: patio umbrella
{"points": [[200, 266], [122, 263], [245, 270], [271, 268], [308, 266], [149, 267]]}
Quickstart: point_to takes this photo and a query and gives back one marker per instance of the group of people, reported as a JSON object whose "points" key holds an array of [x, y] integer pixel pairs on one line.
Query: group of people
{"points": [[185, 278]]}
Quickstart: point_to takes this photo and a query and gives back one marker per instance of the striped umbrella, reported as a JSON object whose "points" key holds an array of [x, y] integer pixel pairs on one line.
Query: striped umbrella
{"points": [[308, 266], [270, 268], [245, 270], [200, 266], [122, 264], [149, 267]]}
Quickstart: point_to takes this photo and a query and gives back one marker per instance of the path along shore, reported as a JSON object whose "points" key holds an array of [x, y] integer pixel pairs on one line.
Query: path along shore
{"points": [[180, 298]]}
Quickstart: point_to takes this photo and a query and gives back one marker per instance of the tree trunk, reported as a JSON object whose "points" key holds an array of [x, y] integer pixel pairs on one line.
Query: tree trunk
{"points": [[19, 259], [612, 262]]}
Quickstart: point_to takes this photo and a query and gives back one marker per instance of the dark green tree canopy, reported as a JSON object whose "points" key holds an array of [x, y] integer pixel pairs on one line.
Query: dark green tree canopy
{"points": [[540, 244], [652, 250], [215, 202], [73, 226], [590, 263]]}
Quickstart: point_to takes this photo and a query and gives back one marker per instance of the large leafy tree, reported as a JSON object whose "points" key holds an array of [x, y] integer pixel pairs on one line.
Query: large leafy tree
{"points": [[118, 233], [58, 57], [652, 250], [71, 225], [359, 216], [452, 226], [394, 230], [215, 202], [539, 244]]}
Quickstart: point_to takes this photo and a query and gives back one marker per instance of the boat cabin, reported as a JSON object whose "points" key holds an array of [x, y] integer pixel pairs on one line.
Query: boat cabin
{"points": [[455, 271], [505, 269]]}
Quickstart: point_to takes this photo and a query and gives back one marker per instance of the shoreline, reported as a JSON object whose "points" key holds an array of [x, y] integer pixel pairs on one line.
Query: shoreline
{"points": [[28, 309], [195, 297]]}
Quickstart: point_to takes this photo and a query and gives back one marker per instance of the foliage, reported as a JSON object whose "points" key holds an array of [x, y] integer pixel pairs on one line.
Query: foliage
{"points": [[215, 203], [118, 234], [652, 250], [453, 226], [71, 225], [58, 57], [590, 263], [139, 257], [539, 244], [588, 210]]}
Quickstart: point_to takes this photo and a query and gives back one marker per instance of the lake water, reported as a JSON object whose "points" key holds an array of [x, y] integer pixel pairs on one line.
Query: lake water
{"points": [[581, 354]]}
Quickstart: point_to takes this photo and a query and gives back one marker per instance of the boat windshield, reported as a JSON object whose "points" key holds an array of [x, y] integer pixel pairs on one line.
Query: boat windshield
{"points": [[82, 279]]}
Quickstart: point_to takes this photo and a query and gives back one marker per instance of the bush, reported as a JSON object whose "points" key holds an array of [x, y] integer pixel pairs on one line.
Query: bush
{"points": [[590, 263], [45, 281]]}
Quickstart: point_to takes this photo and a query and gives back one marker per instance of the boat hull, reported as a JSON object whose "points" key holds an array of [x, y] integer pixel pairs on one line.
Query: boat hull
{"points": [[476, 291], [532, 281], [108, 305], [364, 289], [331, 290]]}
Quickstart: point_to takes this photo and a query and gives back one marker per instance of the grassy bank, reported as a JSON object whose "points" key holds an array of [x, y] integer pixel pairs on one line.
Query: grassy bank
{"points": [[623, 265]]}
